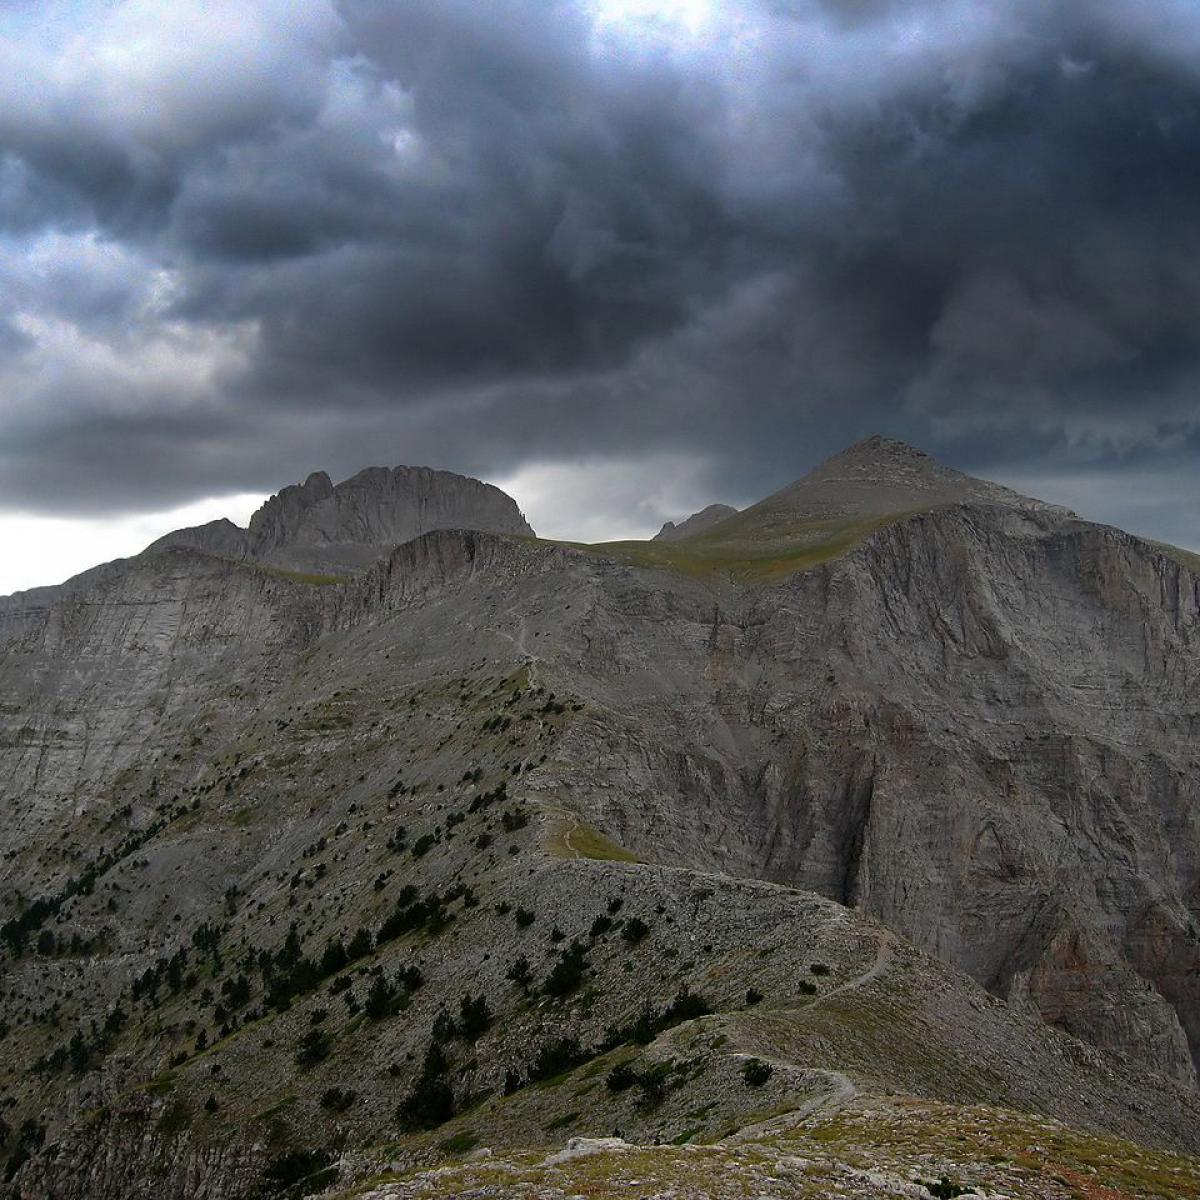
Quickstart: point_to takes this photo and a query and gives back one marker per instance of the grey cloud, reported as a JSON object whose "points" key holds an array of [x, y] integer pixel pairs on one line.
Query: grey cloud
{"points": [[485, 236]]}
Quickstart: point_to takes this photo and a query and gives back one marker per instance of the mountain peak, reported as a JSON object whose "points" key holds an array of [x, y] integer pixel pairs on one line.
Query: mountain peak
{"points": [[887, 459], [698, 522], [875, 479], [319, 525], [878, 448], [270, 524], [881, 475]]}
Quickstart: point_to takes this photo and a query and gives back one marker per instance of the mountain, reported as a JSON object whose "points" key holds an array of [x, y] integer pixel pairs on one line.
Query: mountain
{"points": [[821, 516], [848, 843], [879, 476], [317, 525], [696, 523], [870, 484]]}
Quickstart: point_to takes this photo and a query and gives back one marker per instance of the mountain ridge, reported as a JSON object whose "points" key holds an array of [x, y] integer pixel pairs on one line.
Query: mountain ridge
{"points": [[287, 516]]}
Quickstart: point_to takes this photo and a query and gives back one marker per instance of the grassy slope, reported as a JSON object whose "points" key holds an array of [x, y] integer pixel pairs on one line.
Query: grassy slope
{"points": [[758, 547], [747, 551], [572, 837]]}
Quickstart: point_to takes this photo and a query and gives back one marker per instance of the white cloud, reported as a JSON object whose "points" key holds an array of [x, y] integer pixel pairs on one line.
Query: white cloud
{"points": [[44, 550], [609, 500], [172, 76]]}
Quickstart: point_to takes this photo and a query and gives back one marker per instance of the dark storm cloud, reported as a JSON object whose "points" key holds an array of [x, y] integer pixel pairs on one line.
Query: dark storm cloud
{"points": [[490, 235]]}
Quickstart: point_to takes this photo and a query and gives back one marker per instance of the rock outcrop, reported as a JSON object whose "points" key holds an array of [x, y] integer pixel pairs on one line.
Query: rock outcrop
{"points": [[317, 526]]}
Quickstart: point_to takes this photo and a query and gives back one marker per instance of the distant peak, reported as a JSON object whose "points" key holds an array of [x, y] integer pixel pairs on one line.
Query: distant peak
{"points": [[698, 522], [881, 449], [885, 459], [377, 507]]}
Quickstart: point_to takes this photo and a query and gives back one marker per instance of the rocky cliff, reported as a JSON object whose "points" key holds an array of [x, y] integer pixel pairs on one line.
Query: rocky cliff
{"points": [[979, 726], [319, 526], [910, 809]]}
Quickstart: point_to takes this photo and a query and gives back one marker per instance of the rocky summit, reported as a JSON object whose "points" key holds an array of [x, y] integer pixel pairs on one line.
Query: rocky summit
{"points": [[848, 845], [316, 525]]}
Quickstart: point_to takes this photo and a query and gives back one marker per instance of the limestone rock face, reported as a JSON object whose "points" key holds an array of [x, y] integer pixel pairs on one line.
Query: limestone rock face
{"points": [[698, 522], [319, 526], [980, 726], [285, 516]]}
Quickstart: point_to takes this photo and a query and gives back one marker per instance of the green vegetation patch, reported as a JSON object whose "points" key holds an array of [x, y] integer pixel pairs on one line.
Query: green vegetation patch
{"points": [[277, 1108], [311, 579], [462, 1142], [577, 839], [176, 1117], [161, 1085], [749, 548]]}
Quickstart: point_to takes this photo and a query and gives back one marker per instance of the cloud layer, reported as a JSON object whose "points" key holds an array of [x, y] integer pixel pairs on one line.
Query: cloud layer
{"points": [[239, 242]]}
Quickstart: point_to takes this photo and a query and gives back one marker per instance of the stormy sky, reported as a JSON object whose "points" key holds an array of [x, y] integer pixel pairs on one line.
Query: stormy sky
{"points": [[623, 257]]}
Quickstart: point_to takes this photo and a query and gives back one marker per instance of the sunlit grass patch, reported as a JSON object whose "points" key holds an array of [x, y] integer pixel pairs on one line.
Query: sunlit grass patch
{"points": [[576, 839]]}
